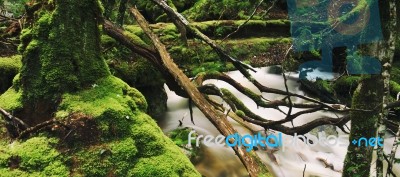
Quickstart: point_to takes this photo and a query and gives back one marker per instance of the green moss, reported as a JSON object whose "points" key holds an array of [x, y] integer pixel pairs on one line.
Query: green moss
{"points": [[395, 72], [394, 88], [135, 39], [240, 113], [346, 84], [62, 51], [107, 40], [227, 9], [367, 96], [145, 151], [136, 73], [115, 158], [129, 138], [258, 52], [240, 105], [35, 157], [156, 166], [324, 85], [106, 93], [9, 67], [11, 100], [180, 136]]}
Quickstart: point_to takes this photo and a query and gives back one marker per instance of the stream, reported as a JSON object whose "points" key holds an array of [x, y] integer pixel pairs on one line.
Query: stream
{"points": [[287, 161]]}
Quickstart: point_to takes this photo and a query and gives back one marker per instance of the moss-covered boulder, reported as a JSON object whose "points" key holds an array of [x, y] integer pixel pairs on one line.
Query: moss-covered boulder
{"points": [[112, 136]]}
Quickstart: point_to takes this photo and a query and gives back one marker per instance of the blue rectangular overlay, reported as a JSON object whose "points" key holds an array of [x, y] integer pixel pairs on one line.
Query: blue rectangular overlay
{"points": [[325, 24]]}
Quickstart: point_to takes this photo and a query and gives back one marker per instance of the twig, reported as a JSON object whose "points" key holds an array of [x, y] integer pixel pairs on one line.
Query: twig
{"points": [[35, 128], [390, 166]]}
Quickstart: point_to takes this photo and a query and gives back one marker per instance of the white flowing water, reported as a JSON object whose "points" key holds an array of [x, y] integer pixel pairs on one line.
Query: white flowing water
{"points": [[288, 161]]}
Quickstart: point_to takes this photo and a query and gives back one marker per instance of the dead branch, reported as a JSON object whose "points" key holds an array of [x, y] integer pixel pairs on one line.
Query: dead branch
{"points": [[34, 129], [248, 159], [11, 118], [259, 100], [253, 118], [327, 165], [40, 126]]}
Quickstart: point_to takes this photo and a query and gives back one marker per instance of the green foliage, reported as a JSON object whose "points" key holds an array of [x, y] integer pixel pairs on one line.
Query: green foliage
{"points": [[14, 7], [208, 67], [138, 73], [180, 136]]}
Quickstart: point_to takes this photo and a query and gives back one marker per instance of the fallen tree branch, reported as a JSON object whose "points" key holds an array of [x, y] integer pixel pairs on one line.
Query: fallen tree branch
{"points": [[40, 126], [197, 33], [259, 100], [219, 120], [34, 129], [11, 118], [150, 54], [253, 118]]}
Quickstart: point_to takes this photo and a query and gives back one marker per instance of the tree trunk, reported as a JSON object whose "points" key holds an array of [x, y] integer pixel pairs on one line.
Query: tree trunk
{"points": [[368, 95], [371, 93], [61, 53]]}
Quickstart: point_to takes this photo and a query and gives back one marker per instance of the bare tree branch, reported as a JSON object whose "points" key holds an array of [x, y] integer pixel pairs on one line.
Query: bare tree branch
{"points": [[249, 159]]}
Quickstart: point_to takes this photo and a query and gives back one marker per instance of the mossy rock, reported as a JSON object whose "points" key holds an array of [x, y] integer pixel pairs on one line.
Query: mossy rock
{"points": [[115, 139], [36, 156]]}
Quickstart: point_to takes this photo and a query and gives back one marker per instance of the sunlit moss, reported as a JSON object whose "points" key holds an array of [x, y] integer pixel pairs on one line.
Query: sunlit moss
{"points": [[128, 135], [9, 67], [34, 157], [11, 100], [240, 113]]}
